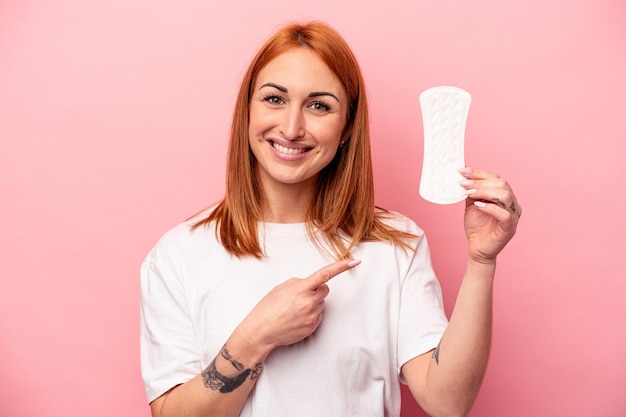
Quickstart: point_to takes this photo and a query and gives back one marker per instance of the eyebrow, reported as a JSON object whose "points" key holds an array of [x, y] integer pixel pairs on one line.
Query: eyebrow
{"points": [[313, 94]]}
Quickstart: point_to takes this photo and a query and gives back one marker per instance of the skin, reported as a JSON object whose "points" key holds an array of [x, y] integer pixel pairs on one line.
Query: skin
{"points": [[286, 109], [287, 314], [297, 115], [446, 381], [298, 104]]}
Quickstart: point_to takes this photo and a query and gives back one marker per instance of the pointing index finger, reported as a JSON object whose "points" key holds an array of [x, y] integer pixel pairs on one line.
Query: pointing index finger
{"points": [[325, 274]]}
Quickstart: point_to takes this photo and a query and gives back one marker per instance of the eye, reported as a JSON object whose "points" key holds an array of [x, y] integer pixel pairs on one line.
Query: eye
{"points": [[273, 99], [319, 106]]}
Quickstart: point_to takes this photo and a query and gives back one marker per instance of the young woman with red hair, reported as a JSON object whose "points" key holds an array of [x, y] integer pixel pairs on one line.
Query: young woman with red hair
{"points": [[226, 329]]}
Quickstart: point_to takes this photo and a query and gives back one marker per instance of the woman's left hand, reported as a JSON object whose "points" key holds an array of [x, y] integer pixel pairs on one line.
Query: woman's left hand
{"points": [[491, 213]]}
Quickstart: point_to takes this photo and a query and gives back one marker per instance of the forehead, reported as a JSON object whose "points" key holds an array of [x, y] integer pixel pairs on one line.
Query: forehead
{"points": [[299, 68]]}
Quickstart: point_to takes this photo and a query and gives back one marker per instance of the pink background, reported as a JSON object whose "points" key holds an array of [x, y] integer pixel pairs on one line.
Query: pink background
{"points": [[113, 124]]}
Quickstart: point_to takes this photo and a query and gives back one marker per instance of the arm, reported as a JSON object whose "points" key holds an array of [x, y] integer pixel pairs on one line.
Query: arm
{"points": [[222, 388], [287, 314], [446, 381]]}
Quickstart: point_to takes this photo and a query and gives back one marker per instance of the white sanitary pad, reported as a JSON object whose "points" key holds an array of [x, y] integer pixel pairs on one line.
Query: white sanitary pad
{"points": [[444, 112]]}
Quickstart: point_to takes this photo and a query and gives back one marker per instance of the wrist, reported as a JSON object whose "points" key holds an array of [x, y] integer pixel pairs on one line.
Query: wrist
{"points": [[479, 259], [481, 267], [248, 345]]}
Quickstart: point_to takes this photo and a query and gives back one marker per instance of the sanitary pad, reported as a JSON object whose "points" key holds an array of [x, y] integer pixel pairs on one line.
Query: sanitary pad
{"points": [[444, 112]]}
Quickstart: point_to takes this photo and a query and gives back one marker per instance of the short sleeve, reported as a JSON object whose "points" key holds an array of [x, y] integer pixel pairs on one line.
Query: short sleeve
{"points": [[169, 349], [422, 316]]}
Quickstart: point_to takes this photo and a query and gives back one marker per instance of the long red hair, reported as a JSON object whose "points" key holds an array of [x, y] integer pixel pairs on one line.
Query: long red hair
{"points": [[344, 201]]}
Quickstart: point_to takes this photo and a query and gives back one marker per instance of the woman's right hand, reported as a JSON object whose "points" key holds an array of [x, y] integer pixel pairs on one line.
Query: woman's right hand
{"points": [[292, 310]]}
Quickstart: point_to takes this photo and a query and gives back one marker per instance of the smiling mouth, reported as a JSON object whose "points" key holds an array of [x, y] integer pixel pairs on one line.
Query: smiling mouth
{"points": [[288, 151]]}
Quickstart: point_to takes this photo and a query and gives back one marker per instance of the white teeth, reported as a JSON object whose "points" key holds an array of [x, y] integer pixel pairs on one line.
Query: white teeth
{"points": [[288, 151]]}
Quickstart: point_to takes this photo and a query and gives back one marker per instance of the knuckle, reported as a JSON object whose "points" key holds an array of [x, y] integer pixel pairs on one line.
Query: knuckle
{"points": [[288, 282], [325, 275], [310, 324], [307, 308]]}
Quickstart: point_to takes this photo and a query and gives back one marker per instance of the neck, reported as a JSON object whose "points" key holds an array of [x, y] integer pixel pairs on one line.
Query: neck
{"points": [[287, 203]]}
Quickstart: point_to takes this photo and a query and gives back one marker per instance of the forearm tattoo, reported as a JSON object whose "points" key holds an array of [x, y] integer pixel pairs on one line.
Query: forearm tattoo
{"points": [[214, 380], [436, 354], [238, 366]]}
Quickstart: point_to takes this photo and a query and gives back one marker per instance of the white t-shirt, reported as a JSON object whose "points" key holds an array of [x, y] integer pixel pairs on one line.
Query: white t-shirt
{"points": [[378, 316]]}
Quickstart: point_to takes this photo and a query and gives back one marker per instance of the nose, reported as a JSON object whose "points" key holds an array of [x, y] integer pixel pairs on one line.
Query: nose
{"points": [[292, 125]]}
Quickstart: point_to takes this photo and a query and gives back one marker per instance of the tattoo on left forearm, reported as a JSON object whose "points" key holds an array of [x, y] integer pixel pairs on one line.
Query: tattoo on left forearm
{"points": [[436, 353]]}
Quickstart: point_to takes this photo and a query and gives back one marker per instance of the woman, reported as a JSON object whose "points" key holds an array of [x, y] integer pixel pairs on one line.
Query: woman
{"points": [[227, 331]]}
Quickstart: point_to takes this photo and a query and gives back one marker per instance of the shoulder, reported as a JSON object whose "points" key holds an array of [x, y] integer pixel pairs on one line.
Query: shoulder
{"points": [[399, 222], [184, 237]]}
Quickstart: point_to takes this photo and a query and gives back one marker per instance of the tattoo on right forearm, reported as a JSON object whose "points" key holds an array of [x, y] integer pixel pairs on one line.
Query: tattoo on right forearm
{"points": [[214, 380], [256, 371], [238, 366]]}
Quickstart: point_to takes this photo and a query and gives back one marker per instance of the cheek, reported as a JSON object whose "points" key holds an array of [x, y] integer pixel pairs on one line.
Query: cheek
{"points": [[330, 133], [257, 116]]}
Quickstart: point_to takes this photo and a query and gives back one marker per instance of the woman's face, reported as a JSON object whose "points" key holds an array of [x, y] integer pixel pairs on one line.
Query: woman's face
{"points": [[297, 115]]}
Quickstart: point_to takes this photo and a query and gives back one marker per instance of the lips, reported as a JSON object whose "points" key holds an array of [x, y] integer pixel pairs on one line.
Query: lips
{"points": [[288, 150]]}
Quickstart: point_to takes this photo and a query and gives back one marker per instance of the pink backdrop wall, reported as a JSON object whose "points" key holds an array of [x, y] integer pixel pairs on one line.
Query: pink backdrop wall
{"points": [[113, 124]]}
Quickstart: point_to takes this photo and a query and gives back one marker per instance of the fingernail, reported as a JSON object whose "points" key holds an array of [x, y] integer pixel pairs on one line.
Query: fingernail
{"points": [[354, 263], [470, 192], [465, 170], [466, 183], [479, 204]]}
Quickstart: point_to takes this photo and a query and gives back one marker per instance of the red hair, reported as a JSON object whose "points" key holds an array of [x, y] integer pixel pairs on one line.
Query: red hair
{"points": [[344, 201]]}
